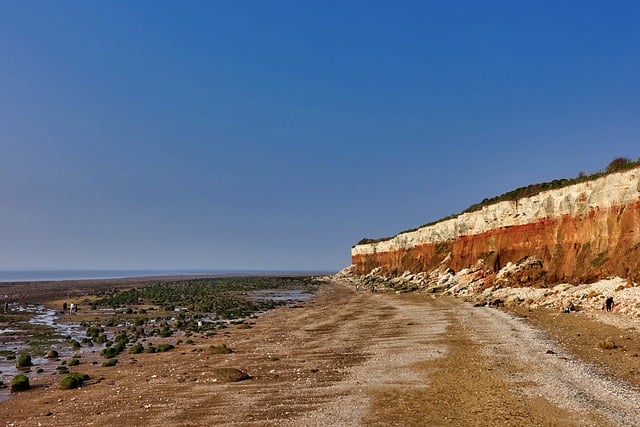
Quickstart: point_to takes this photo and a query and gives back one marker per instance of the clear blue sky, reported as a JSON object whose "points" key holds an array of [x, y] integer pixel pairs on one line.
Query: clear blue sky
{"points": [[276, 134]]}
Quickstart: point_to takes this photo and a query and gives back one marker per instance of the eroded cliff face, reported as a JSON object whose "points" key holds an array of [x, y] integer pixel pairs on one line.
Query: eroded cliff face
{"points": [[581, 233]]}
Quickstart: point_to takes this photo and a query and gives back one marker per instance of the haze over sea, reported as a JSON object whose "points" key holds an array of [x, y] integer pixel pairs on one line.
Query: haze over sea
{"points": [[57, 275]]}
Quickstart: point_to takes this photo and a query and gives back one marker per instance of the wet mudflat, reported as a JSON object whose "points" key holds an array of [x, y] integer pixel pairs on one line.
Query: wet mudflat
{"points": [[352, 358], [87, 328]]}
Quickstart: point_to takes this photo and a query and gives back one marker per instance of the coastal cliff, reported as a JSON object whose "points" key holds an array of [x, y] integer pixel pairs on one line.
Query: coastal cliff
{"points": [[576, 234]]}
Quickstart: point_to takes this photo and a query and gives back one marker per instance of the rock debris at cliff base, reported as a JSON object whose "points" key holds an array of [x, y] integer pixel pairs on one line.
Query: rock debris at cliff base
{"points": [[516, 284]]}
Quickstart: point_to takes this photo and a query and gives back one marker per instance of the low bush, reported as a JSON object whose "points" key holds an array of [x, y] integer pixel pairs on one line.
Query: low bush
{"points": [[73, 362], [20, 382], [52, 354], [23, 361], [113, 351], [74, 380], [136, 349], [109, 363], [165, 347]]}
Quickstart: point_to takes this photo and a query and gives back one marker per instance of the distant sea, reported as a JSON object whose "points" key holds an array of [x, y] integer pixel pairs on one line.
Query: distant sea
{"points": [[57, 275]]}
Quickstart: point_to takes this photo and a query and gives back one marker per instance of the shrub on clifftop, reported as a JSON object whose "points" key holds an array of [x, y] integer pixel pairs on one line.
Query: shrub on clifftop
{"points": [[618, 164]]}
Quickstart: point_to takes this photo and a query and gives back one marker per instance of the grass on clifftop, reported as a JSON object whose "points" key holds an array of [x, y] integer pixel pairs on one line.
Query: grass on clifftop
{"points": [[616, 165]]}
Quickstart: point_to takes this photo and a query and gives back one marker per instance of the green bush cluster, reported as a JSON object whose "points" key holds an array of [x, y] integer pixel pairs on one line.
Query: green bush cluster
{"points": [[164, 347], [74, 380], [136, 349], [24, 361], [109, 363], [224, 296], [20, 383]]}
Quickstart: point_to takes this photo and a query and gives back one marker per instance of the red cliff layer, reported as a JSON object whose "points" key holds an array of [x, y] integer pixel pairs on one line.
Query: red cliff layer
{"points": [[599, 243]]}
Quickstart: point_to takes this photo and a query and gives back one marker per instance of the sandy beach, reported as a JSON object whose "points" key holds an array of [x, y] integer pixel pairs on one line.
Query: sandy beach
{"points": [[350, 357]]}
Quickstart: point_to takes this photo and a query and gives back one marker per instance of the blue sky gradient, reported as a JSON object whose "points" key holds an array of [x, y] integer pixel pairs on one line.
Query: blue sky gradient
{"points": [[273, 135]]}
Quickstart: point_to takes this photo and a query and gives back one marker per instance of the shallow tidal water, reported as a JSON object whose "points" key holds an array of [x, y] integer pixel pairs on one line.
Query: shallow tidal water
{"points": [[63, 328], [16, 340]]}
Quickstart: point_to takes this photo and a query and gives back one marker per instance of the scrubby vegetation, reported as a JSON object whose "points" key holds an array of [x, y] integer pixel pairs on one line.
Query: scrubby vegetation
{"points": [[136, 349], [109, 363], [74, 380], [616, 165], [20, 382], [164, 347], [24, 361], [224, 296], [126, 321]]}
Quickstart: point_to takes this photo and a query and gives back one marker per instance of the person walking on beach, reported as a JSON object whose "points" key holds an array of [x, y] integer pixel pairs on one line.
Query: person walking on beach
{"points": [[609, 303], [6, 306]]}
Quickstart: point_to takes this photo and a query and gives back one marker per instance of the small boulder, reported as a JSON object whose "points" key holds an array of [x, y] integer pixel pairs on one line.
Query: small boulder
{"points": [[219, 349], [229, 375]]}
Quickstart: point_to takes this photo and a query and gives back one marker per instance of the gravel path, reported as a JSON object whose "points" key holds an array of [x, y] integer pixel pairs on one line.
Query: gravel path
{"points": [[548, 369], [504, 372]]}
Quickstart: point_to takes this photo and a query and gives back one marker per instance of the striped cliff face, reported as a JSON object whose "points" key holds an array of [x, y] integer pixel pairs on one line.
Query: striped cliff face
{"points": [[582, 232]]}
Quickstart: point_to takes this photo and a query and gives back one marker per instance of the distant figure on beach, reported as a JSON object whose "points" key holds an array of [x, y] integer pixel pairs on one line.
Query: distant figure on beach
{"points": [[6, 307], [570, 307], [64, 307], [72, 308], [609, 303]]}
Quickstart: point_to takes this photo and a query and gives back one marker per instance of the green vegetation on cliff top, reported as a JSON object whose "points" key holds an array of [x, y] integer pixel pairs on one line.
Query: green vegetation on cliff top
{"points": [[616, 165]]}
